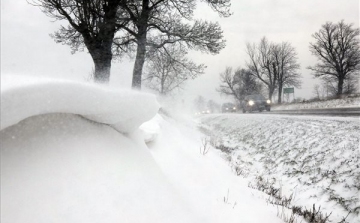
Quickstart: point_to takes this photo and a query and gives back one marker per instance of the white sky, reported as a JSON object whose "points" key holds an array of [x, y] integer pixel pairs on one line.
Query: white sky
{"points": [[26, 47]]}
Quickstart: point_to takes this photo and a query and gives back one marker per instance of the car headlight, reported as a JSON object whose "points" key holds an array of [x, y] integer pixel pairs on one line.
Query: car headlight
{"points": [[208, 111], [234, 108], [227, 109], [251, 103], [268, 101]]}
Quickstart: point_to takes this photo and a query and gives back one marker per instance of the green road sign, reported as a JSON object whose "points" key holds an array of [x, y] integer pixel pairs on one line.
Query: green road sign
{"points": [[288, 90]]}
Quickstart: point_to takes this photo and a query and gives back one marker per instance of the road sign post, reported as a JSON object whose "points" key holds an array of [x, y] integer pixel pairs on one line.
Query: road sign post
{"points": [[289, 91]]}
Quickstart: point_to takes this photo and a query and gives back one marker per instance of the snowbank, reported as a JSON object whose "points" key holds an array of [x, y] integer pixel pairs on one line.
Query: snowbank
{"points": [[151, 129], [58, 164], [215, 193], [64, 168], [23, 97]]}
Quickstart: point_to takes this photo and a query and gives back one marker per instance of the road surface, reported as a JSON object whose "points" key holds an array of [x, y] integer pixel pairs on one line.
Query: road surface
{"points": [[320, 112]]}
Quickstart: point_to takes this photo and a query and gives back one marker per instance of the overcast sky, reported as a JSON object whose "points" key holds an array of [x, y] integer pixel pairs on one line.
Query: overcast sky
{"points": [[27, 49]]}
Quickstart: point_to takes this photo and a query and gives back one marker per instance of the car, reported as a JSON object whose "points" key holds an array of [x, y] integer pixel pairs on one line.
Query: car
{"points": [[228, 107], [255, 102], [205, 112]]}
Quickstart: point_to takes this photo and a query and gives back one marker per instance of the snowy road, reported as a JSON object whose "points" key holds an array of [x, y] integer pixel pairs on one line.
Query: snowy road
{"points": [[344, 112], [314, 159]]}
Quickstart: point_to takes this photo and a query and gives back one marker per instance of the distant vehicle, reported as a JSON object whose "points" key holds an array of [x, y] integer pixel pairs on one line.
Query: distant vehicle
{"points": [[255, 102], [228, 107], [203, 112]]}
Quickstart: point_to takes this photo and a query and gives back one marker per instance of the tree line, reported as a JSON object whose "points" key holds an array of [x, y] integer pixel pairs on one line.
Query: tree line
{"points": [[272, 66], [203, 106], [161, 32], [143, 28]]}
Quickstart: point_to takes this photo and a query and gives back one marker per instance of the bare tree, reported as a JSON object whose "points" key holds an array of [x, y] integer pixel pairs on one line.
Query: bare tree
{"points": [[157, 23], [238, 83], [262, 64], [227, 84], [92, 24], [337, 49], [285, 66], [329, 85], [275, 65], [317, 91], [140, 25], [168, 69], [247, 83], [351, 84]]}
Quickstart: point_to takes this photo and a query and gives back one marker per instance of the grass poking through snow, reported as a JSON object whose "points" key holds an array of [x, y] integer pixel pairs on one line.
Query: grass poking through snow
{"points": [[308, 165]]}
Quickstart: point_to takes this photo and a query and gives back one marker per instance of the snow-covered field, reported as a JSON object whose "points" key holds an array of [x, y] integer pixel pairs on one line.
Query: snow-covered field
{"points": [[73, 152], [349, 102], [313, 160]]}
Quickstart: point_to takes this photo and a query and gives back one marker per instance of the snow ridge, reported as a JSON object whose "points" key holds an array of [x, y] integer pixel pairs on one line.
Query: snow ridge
{"points": [[23, 97]]}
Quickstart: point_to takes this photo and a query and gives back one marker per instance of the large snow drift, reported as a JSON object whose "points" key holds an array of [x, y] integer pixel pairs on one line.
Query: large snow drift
{"points": [[63, 168], [57, 166], [23, 97]]}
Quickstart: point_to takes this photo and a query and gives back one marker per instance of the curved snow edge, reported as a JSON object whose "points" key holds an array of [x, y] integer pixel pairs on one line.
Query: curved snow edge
{"points": [[23, 97]]}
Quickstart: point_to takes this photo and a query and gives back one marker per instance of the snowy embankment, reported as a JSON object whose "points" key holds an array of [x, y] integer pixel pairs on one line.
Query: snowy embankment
{"points": [[65, 158], [57, 166], [349, 102], [205, 179], [312, 160]]}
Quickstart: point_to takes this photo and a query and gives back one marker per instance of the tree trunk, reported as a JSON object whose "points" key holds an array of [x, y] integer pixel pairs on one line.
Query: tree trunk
{"points": [[100, 45], [271, 92], [162, 81], [102, 56], [142, 26], [280, 93], [139, 63], [340, 87], [102, 70]]}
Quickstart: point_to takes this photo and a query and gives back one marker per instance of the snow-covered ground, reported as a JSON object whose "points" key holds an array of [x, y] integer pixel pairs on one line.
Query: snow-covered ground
{"points": [[312, 159], [348, 102], [73, 152], [65, 159], [206, 180]]}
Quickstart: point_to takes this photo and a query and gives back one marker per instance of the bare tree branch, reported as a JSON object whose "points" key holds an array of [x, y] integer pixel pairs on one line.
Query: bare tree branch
{"points": [[238, 83], [168, 69]]}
